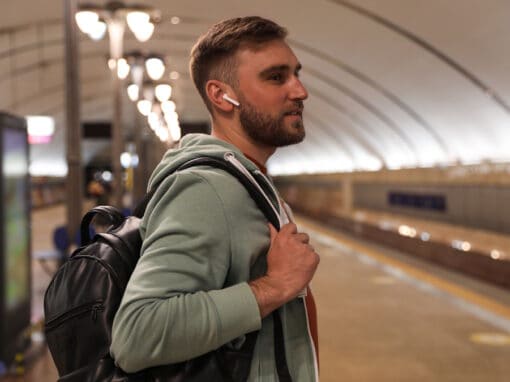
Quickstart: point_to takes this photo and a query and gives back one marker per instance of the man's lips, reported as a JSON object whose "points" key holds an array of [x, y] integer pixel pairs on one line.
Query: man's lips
{"points": [[298, 113]]}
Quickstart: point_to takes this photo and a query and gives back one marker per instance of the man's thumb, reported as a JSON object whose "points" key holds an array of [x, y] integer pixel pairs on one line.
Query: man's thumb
{"points": [[273, 232]]}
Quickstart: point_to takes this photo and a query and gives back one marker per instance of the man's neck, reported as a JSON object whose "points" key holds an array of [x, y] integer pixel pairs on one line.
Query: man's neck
{"points": [[259, 153]]}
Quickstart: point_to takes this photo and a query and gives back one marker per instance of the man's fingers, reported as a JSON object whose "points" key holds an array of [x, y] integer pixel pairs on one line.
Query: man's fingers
{"points": [[289, 228], [303, 237]]}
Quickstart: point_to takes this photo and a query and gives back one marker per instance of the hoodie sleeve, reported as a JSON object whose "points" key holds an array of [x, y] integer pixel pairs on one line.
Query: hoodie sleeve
{"points": [[175, 306]]}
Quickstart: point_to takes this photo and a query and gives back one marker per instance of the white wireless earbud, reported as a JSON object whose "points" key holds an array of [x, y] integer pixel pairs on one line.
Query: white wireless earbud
{"points": [[231, 100]]}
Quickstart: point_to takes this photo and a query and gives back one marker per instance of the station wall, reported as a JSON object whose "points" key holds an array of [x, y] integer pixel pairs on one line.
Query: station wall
{"points": [[473, 196]]}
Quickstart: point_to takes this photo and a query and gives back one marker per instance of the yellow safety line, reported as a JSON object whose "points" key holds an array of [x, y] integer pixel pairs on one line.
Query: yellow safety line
{"points": [[465, 294]]}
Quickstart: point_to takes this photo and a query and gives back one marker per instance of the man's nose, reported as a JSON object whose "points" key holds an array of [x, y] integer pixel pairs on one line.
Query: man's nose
{"points": [[299, 91]]}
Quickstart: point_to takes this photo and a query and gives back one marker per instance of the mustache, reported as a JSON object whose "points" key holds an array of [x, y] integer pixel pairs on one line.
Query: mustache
{"points": [[298, 107]]}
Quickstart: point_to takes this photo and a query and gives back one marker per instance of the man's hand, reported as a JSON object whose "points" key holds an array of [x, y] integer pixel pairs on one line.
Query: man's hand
{"points": [[291, 264]]}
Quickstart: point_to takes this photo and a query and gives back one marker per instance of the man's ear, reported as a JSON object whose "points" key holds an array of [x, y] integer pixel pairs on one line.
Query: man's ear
{"points": [[215, 91]]}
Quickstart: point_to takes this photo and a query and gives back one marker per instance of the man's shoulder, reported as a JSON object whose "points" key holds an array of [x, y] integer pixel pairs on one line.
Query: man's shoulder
{"points": [[205, 180]]}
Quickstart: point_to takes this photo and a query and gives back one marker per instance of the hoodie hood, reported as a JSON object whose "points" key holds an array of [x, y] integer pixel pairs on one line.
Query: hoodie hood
{"points": [[194, 146]]}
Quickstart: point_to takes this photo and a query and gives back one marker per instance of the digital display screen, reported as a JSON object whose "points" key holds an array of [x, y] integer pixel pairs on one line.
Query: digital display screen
{"points": [[16, 220]]}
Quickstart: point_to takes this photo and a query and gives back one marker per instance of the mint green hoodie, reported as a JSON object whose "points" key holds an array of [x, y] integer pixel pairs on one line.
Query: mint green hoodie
{"points": [[204, 238]]}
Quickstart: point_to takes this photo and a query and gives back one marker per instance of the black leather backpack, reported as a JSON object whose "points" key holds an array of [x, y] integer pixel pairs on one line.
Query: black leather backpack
{"points": [[84, 295]]}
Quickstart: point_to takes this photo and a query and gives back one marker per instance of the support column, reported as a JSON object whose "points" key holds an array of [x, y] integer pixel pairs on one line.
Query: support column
{"points": [[140, 184], [117, 141], [348, 197], [74, 185]]}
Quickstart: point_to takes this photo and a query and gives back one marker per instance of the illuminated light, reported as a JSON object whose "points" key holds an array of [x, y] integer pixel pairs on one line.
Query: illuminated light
{"points": [[97, 30], [112, 63], [40, 129], [133, 91], [163, 92], [144, 32], [137, 18], [48, 168], [107, 176], [425, 236], [405, 230], [153, 119], [175, 20], [86, 20], [135, 160], [168, 107], [122, 68], [495, 254], [128, 159], [171, 116], [175, 132], [144, 107], [40, 125], [138, 22], [155, 68], [174, 75], [461, 245], [125, 159], [163, 133]]}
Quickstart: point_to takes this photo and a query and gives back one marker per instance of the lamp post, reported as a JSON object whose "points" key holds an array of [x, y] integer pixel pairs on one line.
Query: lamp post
{"points": [[113, 16], [152, 96], [140, 66]]}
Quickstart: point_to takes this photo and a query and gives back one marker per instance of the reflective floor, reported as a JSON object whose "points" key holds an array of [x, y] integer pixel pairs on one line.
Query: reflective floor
{"points": [[383, 316]]}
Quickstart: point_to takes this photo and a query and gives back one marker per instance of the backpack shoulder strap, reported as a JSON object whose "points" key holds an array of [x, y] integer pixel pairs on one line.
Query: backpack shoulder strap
{"points": [[254, 192], [112, 214]]}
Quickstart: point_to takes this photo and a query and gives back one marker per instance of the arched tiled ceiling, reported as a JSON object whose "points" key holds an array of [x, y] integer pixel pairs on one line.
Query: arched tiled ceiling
{"points": [[392, 82]]}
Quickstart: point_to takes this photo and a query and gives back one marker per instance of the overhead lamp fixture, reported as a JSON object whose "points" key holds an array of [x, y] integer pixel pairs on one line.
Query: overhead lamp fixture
{"points": [[168, 107], [162, 133], [155, 68], [40, 128], [144, 107], [163, 92], [140, 24], [175, 132], [86, 20], [97, 30], [122, 68], [136, 19], [133, 92]]}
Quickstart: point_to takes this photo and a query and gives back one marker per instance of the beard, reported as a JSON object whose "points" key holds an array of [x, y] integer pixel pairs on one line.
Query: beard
{"points": [[269, 130]]}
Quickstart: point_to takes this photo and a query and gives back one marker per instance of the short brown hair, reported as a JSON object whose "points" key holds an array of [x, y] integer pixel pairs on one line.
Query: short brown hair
{"points": [[212, 55]]}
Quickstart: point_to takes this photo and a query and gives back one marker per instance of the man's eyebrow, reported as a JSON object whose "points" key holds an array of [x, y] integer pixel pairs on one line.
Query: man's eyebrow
{"points": [[278, 68]]}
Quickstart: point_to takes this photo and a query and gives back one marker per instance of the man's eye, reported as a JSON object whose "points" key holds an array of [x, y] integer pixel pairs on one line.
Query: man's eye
{"points": [[276, 77]]}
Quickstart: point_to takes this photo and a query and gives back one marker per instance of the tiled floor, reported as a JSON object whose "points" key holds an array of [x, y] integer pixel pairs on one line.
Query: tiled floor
{"points": [[382, 316]]}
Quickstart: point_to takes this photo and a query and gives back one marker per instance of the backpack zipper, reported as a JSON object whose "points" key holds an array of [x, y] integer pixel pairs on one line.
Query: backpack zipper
{"points": [[92, 307]]}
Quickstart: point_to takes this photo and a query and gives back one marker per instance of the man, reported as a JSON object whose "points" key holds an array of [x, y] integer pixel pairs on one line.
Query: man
{"points": [[212, 269]]}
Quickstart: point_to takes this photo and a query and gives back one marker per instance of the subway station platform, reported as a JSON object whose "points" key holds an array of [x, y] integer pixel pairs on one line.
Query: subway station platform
{"points": [[383, 315]]}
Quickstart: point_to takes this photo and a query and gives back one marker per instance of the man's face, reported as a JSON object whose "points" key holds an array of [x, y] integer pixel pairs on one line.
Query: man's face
{"points": [[271, 94]]}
